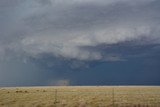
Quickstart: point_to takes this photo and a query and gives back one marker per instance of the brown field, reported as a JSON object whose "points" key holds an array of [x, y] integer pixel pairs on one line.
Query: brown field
{"points": [[81, 96]]}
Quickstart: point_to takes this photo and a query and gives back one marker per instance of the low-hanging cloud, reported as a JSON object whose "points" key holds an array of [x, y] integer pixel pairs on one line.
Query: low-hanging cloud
{"points": [[65, 28], [50, 42]]}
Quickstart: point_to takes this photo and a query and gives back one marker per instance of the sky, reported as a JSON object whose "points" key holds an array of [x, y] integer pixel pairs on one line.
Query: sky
{"points": [[79, 42]]}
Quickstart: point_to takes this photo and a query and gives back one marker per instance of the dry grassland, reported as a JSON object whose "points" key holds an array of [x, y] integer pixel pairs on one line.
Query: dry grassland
{"points": [[81, 96]]}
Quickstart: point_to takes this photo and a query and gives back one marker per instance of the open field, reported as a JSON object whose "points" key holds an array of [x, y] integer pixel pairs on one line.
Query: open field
{"points": [[81, 96]]}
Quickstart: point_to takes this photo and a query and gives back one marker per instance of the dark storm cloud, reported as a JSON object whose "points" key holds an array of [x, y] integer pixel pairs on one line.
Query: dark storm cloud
{"points": [[64, 36], [62, 27]]}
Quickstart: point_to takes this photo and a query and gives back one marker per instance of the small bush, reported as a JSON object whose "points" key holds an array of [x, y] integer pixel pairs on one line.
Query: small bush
{"points": [[19, 91], [26, 91]]}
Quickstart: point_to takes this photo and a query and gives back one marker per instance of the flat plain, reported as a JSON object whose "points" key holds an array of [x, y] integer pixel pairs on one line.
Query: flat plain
{"points": [[80, 96]]}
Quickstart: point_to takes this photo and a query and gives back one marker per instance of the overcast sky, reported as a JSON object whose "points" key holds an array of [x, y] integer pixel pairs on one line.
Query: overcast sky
{"points": [[79, 42]]}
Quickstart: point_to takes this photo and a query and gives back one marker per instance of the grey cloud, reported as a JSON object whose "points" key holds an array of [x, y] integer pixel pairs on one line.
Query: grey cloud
{"points": [[63, 28], [45, 41]]}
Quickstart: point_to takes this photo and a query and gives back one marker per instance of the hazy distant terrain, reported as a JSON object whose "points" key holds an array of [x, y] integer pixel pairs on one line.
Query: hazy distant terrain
{"points": [[80, 96]]}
